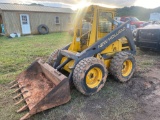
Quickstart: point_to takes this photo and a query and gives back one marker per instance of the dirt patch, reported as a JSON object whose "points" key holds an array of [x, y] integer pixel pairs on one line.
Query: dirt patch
{"points": [[151, 102], [145, 88]]}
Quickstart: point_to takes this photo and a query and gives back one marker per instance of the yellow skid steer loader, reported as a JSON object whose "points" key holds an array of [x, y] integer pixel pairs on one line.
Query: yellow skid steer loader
{"points": [[99, 46]]}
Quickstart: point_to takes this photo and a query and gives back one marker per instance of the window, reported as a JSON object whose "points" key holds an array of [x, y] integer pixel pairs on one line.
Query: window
{"points": [[85, 25], [105, 25], [57, 21], [24, 19]]}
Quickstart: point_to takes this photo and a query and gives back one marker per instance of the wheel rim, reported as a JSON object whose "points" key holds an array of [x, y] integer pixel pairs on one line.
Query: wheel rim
{"points": [[94, 77], [127, 68]]}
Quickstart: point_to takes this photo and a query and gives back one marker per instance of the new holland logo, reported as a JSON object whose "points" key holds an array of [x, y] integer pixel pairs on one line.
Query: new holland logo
{"points": [[111, 37]]}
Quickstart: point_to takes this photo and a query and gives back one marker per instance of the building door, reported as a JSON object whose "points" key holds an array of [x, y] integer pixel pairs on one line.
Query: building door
{"points": [[25, 24]]}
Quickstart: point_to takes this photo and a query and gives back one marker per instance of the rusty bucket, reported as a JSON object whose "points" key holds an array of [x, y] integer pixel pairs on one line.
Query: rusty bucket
{"points": [[41, 87]]}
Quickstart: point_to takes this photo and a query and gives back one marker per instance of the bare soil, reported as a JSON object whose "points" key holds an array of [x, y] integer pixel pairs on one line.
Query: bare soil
{"points": [[138, 99], [145, 86], [148, 93]]}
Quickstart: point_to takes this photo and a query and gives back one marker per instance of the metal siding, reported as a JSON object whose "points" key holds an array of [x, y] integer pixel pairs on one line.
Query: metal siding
{"points": [[48, 19], [12, 20]]}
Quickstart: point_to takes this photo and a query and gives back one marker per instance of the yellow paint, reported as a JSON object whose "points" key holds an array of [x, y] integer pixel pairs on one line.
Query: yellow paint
{"points": [[93, 35], [107, 63], [68, 65], [113, 48], [94, 77], [100, 57], [127, 68]]}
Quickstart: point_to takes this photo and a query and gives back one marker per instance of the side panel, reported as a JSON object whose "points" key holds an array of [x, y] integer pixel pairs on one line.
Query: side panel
{"points": [[112, 48]]}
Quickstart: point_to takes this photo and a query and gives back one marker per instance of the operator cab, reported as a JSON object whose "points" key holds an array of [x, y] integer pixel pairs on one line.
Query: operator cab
{"points": [[95, 24]]}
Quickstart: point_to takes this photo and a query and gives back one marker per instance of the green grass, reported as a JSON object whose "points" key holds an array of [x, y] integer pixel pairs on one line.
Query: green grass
{"points": [[18, 53]]}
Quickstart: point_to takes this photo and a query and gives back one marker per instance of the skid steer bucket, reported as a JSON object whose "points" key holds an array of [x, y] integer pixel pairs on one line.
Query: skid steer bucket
{"points": [[42, 87]]}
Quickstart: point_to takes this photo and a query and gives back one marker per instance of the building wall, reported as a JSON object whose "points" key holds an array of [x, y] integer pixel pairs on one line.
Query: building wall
{"points": [[13, 24]]}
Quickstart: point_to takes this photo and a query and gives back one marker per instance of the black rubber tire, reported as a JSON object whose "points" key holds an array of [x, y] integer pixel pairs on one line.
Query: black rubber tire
{"points": [[52, 57], [116, 66], [80, 72], [43, 29]]}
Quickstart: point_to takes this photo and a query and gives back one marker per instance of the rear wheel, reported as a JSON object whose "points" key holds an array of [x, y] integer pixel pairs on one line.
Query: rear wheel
{"points": [[89, 75], [52, 57], [123, 66]]}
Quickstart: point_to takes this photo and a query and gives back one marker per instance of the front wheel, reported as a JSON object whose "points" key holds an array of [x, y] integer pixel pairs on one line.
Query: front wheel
{"points": [[123, 66], [89, 75]]}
